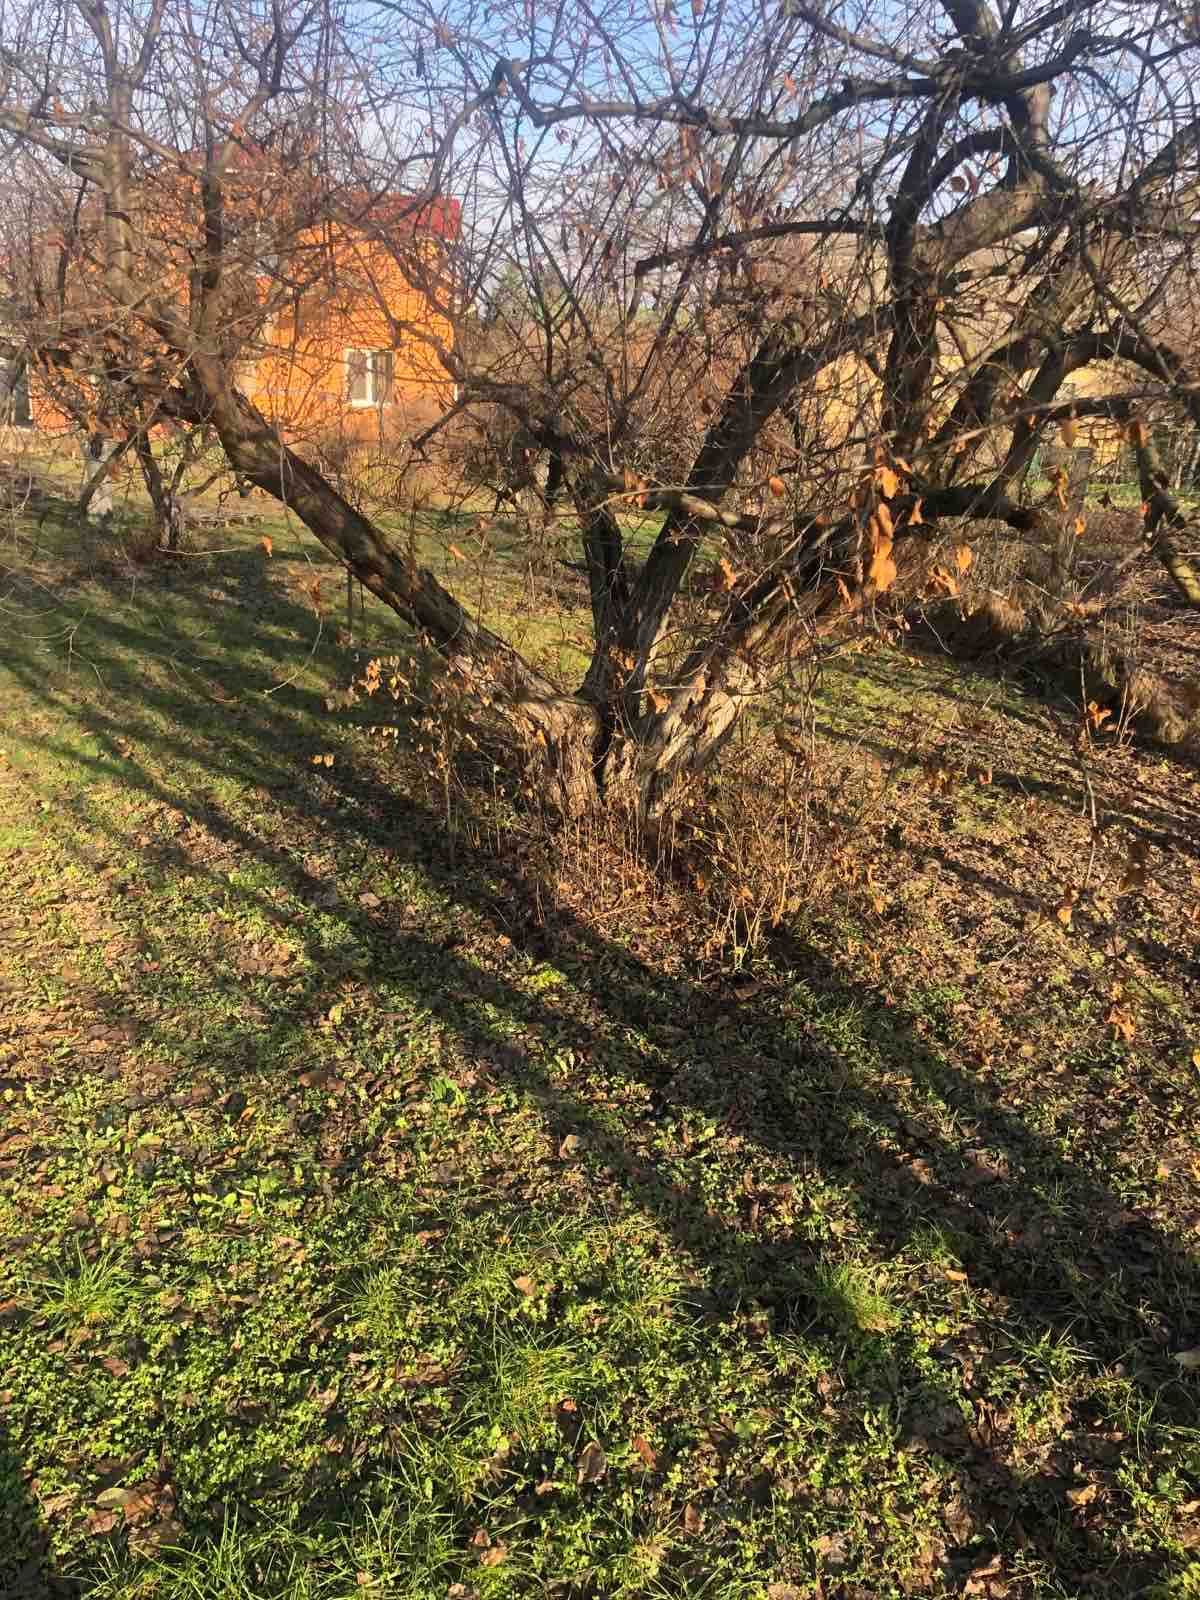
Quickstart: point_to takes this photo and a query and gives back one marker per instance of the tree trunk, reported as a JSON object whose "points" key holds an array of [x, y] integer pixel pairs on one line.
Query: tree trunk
{"points": [[167, 515], [559, 731], [95, 494]]}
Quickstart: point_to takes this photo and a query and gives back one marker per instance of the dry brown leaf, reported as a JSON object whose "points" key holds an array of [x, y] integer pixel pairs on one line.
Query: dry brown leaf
{"points": [[658, 702], [888, 481], [882, 526], [914, 516], [1065, 908], [724, 577], [882, 571], [777, 486], [1066, 431], [592, 1464], [456, 552], [1136, 432], [964, 556], [1123, 1023], [693, 1519], [647, 1452], [1080, 527], [265, 541], [526, 1285], [493, 1555], [1084, 1495], [1189, 1360]]}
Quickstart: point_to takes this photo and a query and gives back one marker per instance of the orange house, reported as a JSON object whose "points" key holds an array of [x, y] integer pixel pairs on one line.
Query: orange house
{"points": [[359, 354], [348, 335]]}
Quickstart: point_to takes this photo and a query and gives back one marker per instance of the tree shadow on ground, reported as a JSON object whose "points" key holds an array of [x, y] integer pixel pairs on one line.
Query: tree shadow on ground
{"points": [[26, 1567], [917, 1142]]}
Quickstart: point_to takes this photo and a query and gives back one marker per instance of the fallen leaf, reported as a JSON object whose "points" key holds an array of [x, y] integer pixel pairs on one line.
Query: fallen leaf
{"points": [[693, 1519], [1084, 1495], [265, 541], [777, 487], [592, 1464], [115, 1365], [832, 1547], [1080, 527], [963, 557], [493, 1555], [526, 1285], [1122, 1022], [142, 1505], [99, 1522], [456, 552], [570, 1146], [647, 1452], [1065, 909], [1189, 1360], [108, 1499]]}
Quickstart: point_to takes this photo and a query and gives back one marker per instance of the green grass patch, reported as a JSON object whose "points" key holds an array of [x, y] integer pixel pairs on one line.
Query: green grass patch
{"points": [[360, 1235]]}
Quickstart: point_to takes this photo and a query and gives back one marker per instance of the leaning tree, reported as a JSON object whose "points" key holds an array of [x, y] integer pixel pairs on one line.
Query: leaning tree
{"points": [[806, 282]]}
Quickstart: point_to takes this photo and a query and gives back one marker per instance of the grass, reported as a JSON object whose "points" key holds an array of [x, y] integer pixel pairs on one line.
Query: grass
{"points": [[376, 1220]]}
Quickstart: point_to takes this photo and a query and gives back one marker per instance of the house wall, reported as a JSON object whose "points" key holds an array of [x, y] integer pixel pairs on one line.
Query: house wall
{"points": [[361, 298], [365, 302]]}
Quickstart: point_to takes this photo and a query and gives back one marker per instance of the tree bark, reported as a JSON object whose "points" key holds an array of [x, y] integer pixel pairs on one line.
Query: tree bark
{"points": [[560, 731]]}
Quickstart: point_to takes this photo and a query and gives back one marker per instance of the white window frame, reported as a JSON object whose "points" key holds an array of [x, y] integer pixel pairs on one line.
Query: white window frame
{"points": [[373, 398]]}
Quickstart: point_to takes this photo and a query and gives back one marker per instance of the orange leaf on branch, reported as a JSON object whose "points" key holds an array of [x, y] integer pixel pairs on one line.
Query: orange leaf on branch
{"points": [[724, 577]]}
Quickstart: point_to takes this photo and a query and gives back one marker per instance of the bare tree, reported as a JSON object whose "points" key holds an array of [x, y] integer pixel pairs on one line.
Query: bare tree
{"points": [[806, 280]]}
